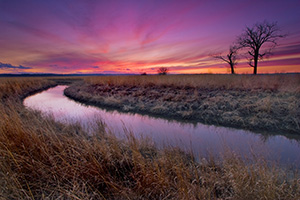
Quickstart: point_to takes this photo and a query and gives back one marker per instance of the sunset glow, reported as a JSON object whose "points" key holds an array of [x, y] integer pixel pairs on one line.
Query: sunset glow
{"points": [[136, 36]]}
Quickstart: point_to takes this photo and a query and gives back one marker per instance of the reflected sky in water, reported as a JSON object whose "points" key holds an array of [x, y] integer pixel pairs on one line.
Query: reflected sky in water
{"points": [[198, 138]]}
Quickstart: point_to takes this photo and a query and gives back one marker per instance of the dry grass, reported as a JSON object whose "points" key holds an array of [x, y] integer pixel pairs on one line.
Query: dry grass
{"points": [[20, 87], [280, 82], [42, 159], [262, 103]]}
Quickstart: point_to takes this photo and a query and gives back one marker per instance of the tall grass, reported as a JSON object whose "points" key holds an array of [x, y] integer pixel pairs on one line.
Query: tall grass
{"points": [[43, 159], [18, 88]]}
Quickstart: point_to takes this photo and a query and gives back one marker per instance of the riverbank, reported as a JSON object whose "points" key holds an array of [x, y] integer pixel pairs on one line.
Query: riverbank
{"points": [[43, 159], [259, 103]]}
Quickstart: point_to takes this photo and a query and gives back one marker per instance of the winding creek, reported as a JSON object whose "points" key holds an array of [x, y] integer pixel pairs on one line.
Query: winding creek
{"points": [[199, 138]]}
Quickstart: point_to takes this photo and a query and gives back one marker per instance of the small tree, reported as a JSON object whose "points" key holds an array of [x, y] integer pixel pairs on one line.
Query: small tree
{"points": [[230, 58], [253, 39], [162, 70]]}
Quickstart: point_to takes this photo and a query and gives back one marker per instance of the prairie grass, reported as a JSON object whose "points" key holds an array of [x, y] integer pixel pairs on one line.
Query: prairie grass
{"points": [[268, 103], [12, 87], [43, 159], [278, 82]]}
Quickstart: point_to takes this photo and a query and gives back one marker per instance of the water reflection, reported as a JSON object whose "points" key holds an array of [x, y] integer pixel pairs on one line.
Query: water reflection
{"points": [[199, 138]]}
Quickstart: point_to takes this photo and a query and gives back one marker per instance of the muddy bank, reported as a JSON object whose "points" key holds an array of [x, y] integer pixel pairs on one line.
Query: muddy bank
{"points": [[257, 110]]}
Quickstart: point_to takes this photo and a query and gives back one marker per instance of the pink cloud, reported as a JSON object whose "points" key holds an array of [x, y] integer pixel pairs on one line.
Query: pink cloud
{"points": [[122, 36]]}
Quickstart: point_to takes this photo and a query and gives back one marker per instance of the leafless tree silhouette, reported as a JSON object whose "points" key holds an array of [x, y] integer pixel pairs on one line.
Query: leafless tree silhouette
{"points": [[230, 58], [253, 39], [162, 70]]}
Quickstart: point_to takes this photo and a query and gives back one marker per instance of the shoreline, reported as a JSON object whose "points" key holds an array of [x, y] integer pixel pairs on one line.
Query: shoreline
{"points": [[187, 106]]}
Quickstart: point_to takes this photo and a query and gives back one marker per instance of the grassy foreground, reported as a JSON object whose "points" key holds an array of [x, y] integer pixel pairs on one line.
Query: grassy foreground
{"points": [[43, 159], [262, 103]]}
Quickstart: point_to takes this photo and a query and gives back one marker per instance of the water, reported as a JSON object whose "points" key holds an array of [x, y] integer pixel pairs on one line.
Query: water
{"points": [[199, 138]]}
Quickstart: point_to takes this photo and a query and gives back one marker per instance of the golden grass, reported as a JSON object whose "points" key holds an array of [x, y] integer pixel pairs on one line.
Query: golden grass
{"points": [[20, 87], [278, 82], [43, 159], [260, 103]]}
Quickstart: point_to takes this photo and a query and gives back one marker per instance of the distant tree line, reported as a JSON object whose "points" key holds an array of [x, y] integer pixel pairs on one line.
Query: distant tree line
{"points": [[160, 71], [252, 40]]}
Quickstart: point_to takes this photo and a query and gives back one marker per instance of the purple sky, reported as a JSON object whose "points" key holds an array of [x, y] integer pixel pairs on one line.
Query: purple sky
{"points": [[93, 36]]}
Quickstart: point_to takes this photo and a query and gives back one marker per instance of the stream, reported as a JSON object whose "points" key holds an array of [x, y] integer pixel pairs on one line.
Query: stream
{"points": [[197, 138]]}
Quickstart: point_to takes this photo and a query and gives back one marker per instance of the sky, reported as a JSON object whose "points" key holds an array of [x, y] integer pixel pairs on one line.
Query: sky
{"points": [[137, 36]]}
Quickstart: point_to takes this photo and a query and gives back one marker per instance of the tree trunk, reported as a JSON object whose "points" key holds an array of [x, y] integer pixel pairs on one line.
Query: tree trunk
{"points": [[232, 69], [255, 63]]}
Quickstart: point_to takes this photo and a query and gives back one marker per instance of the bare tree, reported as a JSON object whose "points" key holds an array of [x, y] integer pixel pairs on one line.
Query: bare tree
{"points": [[253, 39], [162, 70], [230, 58]]}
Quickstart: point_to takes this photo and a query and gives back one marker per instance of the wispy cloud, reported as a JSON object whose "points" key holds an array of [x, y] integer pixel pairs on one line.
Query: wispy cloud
{"points": [[55, 60], [129, 36], [35, 31]]}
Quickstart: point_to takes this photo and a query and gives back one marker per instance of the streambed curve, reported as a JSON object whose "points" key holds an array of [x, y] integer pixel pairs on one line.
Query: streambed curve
{"points": [[199, 138]]}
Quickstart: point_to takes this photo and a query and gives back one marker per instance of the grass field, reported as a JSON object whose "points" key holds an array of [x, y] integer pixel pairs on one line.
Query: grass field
{"points": [[269, 103], [43, 159], [277, 82]]}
